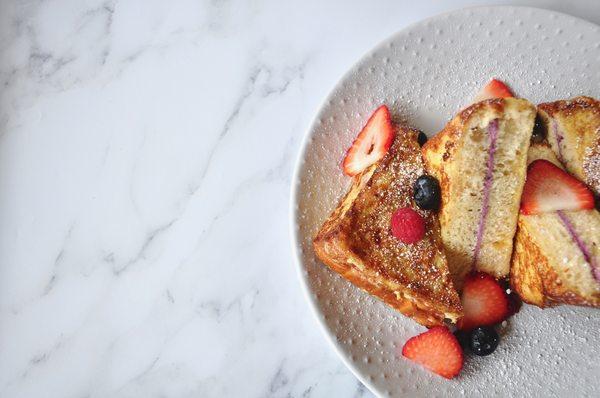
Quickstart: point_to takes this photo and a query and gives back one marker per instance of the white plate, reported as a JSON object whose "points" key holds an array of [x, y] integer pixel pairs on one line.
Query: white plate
{"points": [[425, 73]]}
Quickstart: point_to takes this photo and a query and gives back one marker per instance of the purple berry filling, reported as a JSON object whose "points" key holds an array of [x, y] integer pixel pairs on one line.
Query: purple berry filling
{"points": [[559, 138], [492, 130], [581, 244]]}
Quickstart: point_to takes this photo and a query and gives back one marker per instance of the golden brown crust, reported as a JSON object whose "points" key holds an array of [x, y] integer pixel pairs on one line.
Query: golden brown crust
{"points": [[524, 276], [533, 277], [422, 310], [570, 106], [356, 241], [445, 144]]}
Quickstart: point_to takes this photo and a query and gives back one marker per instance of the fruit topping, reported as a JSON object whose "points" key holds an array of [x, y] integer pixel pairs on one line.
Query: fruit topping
{"points": [[407, 225], [437, 350], [494, 89], [484, 301], [426, 193], [549, 188], [483, 340], [371, 144], [422, 138]]}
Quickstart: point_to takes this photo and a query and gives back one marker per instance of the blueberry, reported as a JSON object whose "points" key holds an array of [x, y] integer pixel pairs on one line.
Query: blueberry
{"points": [[422, 138], [539, 130], [426, 193], [484, 340]]}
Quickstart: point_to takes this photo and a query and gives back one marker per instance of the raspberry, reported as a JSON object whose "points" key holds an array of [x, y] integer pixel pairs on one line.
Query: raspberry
{"points": [[408, 225]]}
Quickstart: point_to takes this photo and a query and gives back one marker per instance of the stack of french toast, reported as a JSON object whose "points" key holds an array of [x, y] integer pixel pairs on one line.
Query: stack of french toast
{"points": [[454, 230]]}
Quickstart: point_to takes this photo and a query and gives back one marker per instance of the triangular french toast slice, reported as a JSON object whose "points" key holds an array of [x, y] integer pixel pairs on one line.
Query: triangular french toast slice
{"points": [[356, 240], [480, 159], [557, 254], [573, 131]]}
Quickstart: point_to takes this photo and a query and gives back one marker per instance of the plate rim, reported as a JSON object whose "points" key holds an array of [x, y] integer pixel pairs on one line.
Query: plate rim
{"points": [[295, 241]]}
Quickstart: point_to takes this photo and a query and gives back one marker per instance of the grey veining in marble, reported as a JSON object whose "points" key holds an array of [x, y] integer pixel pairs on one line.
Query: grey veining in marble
{"points": [[146, 152]]}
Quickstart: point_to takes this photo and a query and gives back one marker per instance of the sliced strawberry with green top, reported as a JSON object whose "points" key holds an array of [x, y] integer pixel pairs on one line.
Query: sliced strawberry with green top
{"points": [[372, 142], [549, 188], [484, 302], [494, 89], [438, 350]]}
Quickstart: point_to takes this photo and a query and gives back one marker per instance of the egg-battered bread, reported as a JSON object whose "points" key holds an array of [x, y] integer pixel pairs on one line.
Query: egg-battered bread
{"points": [[356, 240], [573, 131], [480, 158], [557, 254]]}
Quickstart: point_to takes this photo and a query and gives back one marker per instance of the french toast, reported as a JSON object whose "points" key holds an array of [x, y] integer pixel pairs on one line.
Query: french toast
{"points": [[573, 131], [480, 160], [557, 254], [356, 241]]}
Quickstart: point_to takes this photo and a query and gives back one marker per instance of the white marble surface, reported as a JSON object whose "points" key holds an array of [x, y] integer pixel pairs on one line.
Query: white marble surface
{"points": [[146, 151]]}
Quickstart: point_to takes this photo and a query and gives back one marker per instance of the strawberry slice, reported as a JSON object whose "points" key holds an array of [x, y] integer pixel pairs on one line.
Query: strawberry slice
{"points": [[372, 142], [494, 89], [549, 188], [484, 301], [437, 349]]}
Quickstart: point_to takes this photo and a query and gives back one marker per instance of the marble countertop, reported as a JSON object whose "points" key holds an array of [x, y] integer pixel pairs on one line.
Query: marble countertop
{"points": [[146, 153]]}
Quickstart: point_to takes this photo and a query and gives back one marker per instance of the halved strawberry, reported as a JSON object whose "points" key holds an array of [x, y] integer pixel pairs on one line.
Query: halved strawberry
{"points": [[372, 142], [549, 188], [484, 301], [494, 89], [437, 349]]}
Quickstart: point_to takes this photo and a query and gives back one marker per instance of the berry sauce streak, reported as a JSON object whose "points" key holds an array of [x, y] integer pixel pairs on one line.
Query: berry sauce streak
{"points": [[581, 244], [492, 130]]}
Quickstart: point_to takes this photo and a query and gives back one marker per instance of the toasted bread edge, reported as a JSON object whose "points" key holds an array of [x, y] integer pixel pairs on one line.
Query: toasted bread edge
{"points": [[330, 247]]}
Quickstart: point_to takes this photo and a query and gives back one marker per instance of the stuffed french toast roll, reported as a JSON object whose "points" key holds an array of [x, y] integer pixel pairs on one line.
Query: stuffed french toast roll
{"points": [[557, 252], [480, 160]]}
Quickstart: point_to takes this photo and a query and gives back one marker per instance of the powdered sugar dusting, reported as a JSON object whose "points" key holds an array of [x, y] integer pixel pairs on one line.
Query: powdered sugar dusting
{"points": [[425, 74], [587, 254]]}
